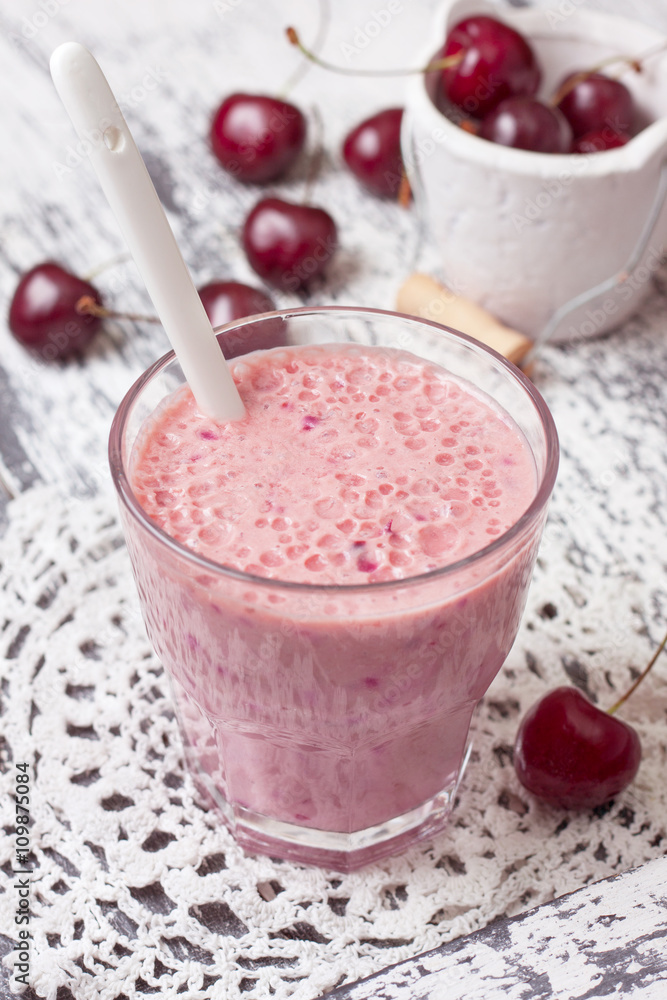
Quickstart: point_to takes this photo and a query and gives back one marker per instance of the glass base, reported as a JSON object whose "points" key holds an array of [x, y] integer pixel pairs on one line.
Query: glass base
{"points": [[343, 852]]}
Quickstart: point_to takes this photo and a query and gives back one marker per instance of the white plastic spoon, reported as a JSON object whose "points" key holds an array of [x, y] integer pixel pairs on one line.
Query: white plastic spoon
{"points": [[100, 124]]}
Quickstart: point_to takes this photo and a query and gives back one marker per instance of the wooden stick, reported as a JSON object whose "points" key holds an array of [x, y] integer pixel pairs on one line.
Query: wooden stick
{"points": [[422, 296]]}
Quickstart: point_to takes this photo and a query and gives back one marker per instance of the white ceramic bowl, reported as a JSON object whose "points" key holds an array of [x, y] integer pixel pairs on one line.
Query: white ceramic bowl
{"points": [[524, 233]]}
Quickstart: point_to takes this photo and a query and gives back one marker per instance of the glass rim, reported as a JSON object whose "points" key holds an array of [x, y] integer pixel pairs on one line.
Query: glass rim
{"points": [[522, 525]]}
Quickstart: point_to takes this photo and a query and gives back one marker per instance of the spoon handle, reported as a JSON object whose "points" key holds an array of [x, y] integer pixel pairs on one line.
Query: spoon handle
{"points": [[122, 173]]}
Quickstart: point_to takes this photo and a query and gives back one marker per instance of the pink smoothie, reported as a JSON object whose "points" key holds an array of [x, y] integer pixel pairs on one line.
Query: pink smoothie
{"points": [[305, 695], [349, 468]]}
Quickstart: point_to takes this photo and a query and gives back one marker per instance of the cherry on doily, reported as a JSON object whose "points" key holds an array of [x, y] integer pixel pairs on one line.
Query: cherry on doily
{"points": [[572, 754], [45, 316]]}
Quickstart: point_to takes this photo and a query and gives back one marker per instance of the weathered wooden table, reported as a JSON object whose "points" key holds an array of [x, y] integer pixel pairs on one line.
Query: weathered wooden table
{"points": [[134, 889]]}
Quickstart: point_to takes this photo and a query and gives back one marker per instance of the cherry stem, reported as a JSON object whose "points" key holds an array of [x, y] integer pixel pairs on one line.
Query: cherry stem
{"points": [[445, 63], [302, 68], [317, 158], [118, 259], [87, 306], [624, 698], [404, 191], [634, 62]]}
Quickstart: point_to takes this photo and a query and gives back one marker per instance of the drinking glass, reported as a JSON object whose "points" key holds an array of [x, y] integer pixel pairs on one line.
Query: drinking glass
{"points": [[328, 724]]}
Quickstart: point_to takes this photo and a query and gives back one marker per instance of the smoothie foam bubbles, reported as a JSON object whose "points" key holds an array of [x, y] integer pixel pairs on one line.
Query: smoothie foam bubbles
{"points": [[352, 465], [333, 582]]}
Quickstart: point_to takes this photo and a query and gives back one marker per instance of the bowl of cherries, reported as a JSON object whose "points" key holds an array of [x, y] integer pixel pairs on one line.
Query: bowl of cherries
{"points": [[535, 145]]}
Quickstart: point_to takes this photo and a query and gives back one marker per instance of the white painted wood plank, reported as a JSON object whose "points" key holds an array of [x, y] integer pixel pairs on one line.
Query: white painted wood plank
{"points": [[609, 939]]}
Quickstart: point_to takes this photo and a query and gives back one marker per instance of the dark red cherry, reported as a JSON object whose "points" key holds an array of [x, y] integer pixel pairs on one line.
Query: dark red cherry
{"points": [[526, 123], [572, 754], [598, 102], [225, 301], [257, 138], [43, 314], [497, 62], [372, 151], [288, 244], [597, 142]]}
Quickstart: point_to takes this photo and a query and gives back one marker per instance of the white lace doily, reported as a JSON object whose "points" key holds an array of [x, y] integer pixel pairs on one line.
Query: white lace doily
{"points": [[137, 890]]}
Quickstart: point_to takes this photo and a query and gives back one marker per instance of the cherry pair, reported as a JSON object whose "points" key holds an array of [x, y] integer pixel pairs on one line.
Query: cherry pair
{"points": [[55, 314]]}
